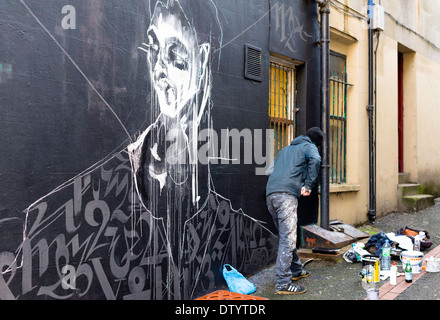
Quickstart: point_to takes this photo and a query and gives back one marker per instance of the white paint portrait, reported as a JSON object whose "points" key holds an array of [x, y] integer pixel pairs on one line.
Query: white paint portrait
{"points": [[139, 224]]}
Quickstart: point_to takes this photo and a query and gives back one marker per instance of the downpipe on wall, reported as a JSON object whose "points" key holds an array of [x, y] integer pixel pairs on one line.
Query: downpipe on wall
{"points": [[371, 129], [324, 6]]}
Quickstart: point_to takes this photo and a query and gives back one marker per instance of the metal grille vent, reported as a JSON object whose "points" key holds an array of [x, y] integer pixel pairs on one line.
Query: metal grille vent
{"points": [[252, 64]]}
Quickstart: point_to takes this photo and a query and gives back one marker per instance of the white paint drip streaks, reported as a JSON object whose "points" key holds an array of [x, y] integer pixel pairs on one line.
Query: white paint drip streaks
{"points": [[197, 118]]}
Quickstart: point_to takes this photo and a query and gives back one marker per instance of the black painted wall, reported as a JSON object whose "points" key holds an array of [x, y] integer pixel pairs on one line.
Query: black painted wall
{"points": [[74, 101]]}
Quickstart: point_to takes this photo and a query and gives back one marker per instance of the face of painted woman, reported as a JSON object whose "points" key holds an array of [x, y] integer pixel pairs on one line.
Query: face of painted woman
{"points": [[173, 61]]}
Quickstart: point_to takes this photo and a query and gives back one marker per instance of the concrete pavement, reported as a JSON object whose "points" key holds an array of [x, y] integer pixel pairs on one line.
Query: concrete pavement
{"points": [[340, 280]]}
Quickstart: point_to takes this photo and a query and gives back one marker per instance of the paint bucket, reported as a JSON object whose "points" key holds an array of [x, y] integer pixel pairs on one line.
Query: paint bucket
{"points": [[414, 258], [373, 261], [373, 294]]}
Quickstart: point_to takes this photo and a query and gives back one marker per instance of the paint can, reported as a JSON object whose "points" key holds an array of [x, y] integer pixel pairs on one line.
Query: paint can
{"points": [[414, 258]]}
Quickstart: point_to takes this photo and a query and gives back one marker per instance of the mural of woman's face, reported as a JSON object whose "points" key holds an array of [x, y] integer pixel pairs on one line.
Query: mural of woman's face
{"points": [[173, 61]]}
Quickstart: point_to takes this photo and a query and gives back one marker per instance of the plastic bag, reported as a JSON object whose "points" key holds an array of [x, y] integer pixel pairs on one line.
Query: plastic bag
{"points": [[350, 256], [355, 253], [236, 281], [411, 232]]}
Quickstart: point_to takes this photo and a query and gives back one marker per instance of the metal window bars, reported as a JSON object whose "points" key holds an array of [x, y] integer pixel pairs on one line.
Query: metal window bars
{"points": [[282, 93], [338, 127]]}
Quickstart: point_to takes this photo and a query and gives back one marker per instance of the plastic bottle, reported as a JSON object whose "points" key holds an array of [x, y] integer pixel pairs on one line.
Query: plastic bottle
{"points": [[393, 274], [408, 273], [416, 243], [368, 277], [386, 255]]}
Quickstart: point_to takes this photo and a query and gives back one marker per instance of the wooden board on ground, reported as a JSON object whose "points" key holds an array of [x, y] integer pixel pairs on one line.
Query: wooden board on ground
{"points": [[305, 253]]}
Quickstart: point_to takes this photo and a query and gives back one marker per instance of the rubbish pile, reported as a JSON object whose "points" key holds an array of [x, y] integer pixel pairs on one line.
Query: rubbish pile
{"points": [[381, 248], [405, 239]]}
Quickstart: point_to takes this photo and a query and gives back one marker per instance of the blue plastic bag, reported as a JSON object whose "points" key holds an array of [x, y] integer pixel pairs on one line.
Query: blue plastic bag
{"points": [[236, 281]]}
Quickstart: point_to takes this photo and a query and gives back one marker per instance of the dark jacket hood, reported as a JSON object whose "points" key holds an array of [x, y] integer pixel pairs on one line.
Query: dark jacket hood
{"points": [[301, 139]]}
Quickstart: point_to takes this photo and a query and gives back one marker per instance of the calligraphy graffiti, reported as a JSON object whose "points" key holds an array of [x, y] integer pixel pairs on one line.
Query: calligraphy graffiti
{"points": [[118, 250], [289, 26], [145, 222]]}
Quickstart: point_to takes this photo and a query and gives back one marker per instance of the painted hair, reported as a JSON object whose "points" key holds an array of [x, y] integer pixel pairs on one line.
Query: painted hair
{"points": [[207, 26]]}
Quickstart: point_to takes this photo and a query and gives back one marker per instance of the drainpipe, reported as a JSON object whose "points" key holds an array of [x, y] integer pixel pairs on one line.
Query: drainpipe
{"points": [[324, 6], [370, 109]]}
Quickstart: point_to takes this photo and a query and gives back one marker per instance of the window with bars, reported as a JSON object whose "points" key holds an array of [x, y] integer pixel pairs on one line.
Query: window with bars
{"points": [[338, 118], [282, 102]]}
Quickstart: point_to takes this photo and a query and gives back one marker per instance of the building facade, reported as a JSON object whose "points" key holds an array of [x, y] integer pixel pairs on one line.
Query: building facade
{"points": [[405, 58], [135, 135]]}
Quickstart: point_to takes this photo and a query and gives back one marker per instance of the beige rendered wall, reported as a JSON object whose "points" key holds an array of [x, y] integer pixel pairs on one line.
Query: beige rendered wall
{"points": [[428, 120], [387, 126], [352, 206], [415, 26], [349, 202], [411, 27], [410, 117], [420, 16]]}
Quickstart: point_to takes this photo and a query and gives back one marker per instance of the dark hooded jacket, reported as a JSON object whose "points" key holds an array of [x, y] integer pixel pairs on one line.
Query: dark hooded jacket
{"points": [[295, 166]]}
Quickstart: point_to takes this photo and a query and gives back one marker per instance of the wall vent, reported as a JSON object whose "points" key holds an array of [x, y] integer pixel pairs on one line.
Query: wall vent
{"points": [[252, 63]]}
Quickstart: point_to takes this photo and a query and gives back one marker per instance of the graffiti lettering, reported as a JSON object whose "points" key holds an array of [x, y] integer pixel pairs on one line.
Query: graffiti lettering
{"points": [[289, 26], [7, 259], [69, 279], [126, 246]]}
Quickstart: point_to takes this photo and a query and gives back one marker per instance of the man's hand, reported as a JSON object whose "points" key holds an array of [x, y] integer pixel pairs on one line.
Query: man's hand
{"points": [[305, 192]]}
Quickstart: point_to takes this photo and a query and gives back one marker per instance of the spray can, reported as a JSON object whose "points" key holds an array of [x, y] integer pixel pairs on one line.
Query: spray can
{"points": [[376, 271]]}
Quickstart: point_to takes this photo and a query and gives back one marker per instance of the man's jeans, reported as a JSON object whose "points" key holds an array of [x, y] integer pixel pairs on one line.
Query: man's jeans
{"points": [[283, 208]]}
